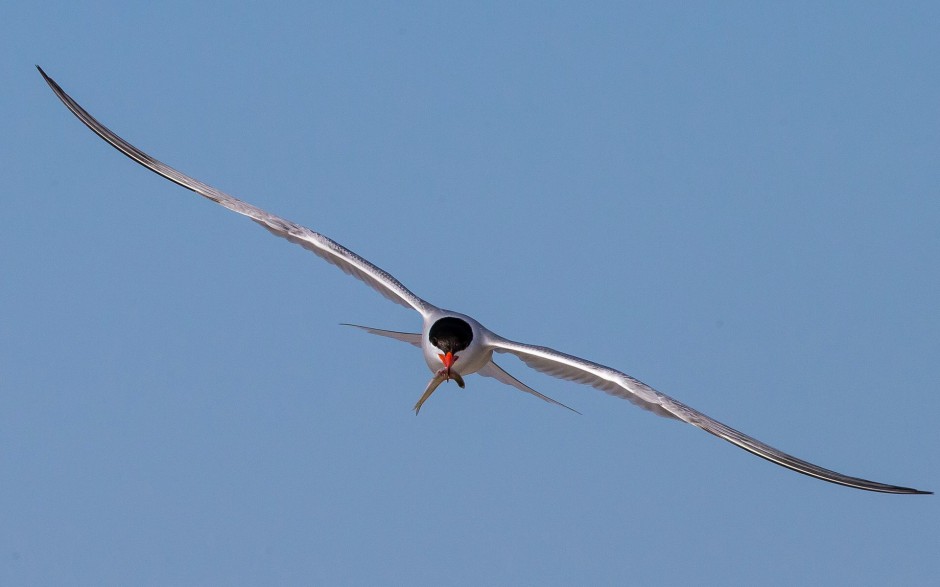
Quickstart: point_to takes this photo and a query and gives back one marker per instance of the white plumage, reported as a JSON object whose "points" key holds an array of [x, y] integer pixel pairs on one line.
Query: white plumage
{"points": [[474, 347]]}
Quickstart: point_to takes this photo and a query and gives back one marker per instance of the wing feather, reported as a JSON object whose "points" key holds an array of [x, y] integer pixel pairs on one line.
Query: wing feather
{"points": [[621, 385], [324, 247]]}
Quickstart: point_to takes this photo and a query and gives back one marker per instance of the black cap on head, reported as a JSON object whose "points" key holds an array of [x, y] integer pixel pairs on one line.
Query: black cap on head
{"points": [[451, 335]]}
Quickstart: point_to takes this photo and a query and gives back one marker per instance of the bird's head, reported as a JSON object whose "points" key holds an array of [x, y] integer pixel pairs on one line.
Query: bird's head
{"points": [[450, 335]]}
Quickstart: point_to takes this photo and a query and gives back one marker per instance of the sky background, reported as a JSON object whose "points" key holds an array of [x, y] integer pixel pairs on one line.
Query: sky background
{"points": [[735, 202]]}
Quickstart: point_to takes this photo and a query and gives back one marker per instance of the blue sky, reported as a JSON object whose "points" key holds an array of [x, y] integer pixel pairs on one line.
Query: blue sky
{"points": [[736, 203]]}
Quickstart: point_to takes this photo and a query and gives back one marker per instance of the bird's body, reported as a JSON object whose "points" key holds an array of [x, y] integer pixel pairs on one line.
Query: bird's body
{"points": [[455, 345]]}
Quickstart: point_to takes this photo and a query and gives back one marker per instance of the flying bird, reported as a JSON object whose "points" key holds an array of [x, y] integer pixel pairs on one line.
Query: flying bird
{"points": [[454, 344]]}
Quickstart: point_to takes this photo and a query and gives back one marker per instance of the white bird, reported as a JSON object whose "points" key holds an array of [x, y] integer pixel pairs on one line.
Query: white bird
{"points": [[456, 345]]}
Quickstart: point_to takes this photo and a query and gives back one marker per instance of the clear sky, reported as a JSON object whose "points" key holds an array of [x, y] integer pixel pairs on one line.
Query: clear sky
{"points": [[735, 202]]}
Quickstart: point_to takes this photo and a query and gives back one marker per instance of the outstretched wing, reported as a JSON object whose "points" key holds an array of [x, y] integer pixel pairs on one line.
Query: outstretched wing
{"points": [[326, 248], [564, 366]]}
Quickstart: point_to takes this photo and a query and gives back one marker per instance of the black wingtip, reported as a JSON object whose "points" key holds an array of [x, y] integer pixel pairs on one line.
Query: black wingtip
{"points": [[48, 79], [909, 491]]}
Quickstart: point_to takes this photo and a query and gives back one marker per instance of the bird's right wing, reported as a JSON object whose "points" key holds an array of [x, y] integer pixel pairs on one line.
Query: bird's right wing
{"points": [[564, 366], [324, 247]]}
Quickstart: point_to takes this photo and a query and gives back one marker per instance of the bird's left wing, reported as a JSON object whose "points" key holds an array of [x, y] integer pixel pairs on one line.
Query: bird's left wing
{"points": [[326, 248], [564, 366]]}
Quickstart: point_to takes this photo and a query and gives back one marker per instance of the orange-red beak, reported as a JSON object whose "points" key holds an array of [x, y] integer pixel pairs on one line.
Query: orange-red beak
{"points": [[449, 359]]}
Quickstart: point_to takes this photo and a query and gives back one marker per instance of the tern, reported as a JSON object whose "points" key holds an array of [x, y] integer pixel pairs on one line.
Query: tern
{"points": [[454, 344]]}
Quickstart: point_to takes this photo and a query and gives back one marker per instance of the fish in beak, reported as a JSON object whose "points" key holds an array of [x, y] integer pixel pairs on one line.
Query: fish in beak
{"points": [[440, 377]]}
